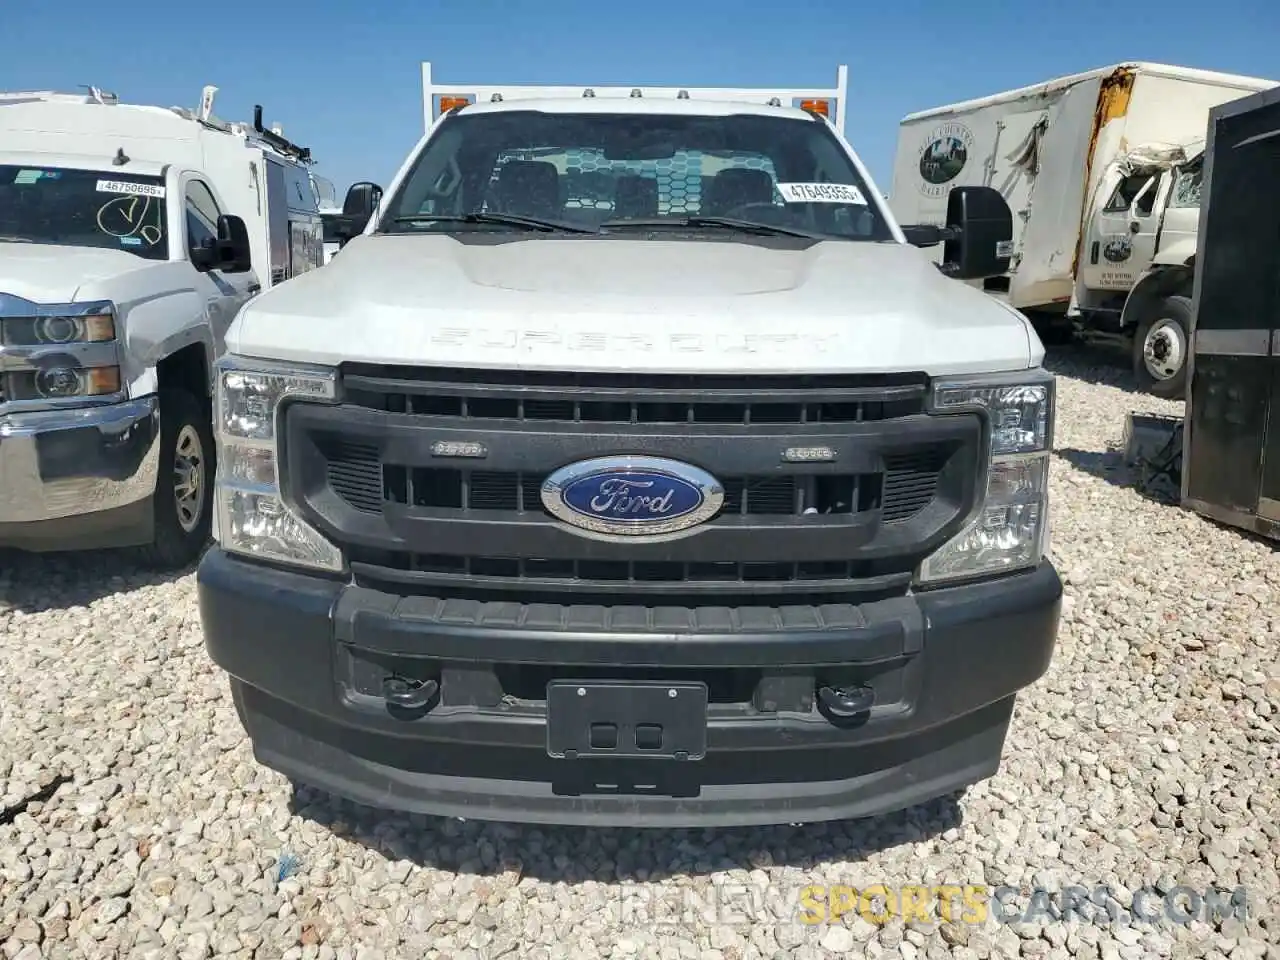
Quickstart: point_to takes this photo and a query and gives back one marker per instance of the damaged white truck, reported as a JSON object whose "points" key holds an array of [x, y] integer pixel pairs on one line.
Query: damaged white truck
{"points": [[629, 466], [1102, 172]]}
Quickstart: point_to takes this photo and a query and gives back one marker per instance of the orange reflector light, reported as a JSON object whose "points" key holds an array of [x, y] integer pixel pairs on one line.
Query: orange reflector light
{"points": [[817, 106], [448, 103]]}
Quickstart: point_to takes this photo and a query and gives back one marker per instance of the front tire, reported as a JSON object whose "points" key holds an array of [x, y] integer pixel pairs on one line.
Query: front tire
{"points": [[1161, 346], [183, 500]]}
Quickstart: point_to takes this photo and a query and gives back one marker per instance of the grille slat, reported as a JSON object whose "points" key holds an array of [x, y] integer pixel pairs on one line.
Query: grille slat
{"points": [[355, 475], [522, 396], [522, 492], [911, 483], [620, 573]]}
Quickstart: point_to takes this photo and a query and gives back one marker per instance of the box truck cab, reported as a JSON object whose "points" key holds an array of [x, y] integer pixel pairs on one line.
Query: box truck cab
{"points": [[631, 466], [1138, 262], [130, 236], [1087, 163]]}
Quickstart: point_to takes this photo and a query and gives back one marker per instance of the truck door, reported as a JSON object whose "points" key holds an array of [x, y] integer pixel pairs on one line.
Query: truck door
{"points": [[224, 293], [1145, 215], [1108, 263]]}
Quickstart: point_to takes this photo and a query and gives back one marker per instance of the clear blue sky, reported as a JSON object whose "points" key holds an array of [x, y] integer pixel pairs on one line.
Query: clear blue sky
{"points": [[343, 76]]}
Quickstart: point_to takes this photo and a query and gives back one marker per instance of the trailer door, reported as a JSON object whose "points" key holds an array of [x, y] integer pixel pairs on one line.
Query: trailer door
{"points": [[1013, 165], [1232, 445], [1130, 208]]}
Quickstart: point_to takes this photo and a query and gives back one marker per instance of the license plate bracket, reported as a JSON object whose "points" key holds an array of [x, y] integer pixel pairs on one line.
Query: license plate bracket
{"points": [[626, 720]]}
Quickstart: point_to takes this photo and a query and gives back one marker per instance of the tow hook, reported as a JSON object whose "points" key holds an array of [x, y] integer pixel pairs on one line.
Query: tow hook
{"points": [[409, 694], [846, 701]]}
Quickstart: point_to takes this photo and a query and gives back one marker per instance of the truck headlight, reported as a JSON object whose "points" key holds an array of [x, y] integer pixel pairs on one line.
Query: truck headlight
{"points": [[252, 517], [87, 365], [1010, 530]]}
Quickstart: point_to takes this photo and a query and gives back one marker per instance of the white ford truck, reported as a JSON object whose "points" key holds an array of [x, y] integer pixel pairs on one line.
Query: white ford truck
{"points": [[130, 235], [632, 466]]}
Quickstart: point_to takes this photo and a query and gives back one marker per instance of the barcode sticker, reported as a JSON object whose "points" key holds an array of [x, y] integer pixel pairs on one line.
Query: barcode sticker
{"points": [[131, 189]]}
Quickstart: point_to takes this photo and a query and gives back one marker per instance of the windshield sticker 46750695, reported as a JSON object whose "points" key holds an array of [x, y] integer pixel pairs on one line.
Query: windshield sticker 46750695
{"points": [[130, 189]]}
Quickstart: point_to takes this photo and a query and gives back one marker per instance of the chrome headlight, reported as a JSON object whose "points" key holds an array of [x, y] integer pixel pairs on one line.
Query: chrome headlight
{"points": [[86, 365], [252, 517], [1010, 530]]}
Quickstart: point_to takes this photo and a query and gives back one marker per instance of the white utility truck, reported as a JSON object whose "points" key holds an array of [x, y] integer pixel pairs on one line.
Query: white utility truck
{"points": [[130, 236], [631, 466], [1102, 171]]}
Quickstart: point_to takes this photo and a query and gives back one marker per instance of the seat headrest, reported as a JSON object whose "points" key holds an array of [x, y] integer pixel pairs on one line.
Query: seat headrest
{"points": [[528, 185], [635, 196], [735, 187]]}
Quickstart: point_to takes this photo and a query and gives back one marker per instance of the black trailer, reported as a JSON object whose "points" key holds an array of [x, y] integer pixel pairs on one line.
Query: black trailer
{"points": [[1231, 441]]}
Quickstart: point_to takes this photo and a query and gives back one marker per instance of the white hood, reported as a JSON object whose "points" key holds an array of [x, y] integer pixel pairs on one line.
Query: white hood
{"points": [[599, 303], [47, 273]]}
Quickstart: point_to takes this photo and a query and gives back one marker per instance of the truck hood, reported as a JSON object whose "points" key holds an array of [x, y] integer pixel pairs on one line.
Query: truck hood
{"points": [[49, 273], [602, 303]]}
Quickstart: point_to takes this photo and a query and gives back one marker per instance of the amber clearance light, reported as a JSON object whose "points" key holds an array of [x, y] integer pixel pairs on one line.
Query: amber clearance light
{"points": [[448, 103]]}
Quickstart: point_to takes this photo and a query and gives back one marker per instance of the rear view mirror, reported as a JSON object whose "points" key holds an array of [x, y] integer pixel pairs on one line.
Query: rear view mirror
{"points": [[358, 209], [979, 236]]}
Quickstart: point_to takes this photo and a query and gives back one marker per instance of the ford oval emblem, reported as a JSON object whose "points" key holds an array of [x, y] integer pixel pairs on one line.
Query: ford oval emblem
{"points": [[632, 496]]}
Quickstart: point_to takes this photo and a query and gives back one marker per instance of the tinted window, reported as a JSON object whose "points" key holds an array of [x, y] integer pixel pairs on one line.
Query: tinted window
{"points": [[84, 208], [595, 169]]}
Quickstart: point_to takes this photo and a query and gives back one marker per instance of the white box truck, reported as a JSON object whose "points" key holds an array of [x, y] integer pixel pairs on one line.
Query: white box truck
{"points": [[1088, 165]]}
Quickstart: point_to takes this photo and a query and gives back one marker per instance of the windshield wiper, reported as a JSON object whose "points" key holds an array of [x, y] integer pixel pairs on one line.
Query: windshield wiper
{"points": [[14, 238], [729, 223], [507, 219]]}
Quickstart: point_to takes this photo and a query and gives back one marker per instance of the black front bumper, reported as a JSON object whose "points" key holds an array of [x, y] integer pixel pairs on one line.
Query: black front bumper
{"points": [[308, 657]]}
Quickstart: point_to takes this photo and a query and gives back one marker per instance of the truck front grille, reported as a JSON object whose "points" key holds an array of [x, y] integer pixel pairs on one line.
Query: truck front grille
{"points": [[363, 471]]}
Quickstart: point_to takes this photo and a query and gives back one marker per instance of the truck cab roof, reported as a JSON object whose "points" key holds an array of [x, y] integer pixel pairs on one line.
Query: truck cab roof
{"points": [[660, 106]]}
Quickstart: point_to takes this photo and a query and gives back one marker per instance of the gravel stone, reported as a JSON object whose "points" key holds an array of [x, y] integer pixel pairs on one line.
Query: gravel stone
{"points": [[1148, 757]]}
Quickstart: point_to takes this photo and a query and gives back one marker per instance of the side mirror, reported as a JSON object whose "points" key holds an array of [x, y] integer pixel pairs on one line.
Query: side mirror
{"points": [[230, 252], [979, 236], [358, 208], [234, 255]]}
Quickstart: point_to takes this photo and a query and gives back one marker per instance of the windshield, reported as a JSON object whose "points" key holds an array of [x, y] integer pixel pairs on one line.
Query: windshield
{"points": [[648, 170], [83, 208]]}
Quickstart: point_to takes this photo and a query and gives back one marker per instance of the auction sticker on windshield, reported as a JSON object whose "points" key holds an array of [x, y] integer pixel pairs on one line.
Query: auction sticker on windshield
{"points": [[821, 193], [131, 189], [25, 177]]}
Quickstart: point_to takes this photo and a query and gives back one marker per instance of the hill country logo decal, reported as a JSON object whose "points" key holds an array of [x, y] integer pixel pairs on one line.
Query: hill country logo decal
{"points": [[1117, 249], [944, 154]]}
